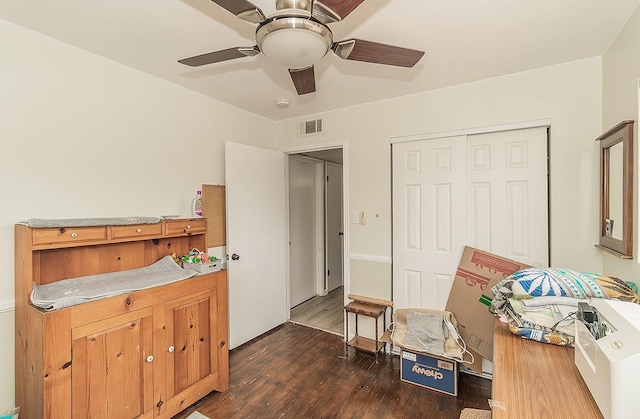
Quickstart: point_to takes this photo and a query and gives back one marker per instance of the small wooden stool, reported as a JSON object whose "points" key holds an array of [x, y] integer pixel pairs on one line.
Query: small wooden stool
{"points": [[369, 307]]}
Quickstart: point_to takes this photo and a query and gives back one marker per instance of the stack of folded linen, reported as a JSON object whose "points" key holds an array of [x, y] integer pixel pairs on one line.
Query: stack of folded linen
{"points": [[541, 303]]}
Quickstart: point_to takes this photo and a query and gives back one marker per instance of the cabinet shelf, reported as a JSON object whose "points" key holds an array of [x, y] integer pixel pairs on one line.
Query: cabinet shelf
{"points": [[366, 344]]}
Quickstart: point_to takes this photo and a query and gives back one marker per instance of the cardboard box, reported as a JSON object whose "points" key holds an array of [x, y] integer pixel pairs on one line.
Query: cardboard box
{"points": [[430, 371], [471, 296]]}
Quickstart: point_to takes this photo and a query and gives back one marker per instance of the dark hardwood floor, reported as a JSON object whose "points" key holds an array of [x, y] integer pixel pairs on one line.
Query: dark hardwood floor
{"points": [[295, 371]]}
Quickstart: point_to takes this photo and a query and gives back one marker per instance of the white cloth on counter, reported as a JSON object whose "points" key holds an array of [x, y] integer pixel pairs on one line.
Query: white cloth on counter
{"points": [[73, 291]]}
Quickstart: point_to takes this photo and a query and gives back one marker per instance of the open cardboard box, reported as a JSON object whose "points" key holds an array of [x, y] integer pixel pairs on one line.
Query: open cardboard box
{"points": [[471, 297]]}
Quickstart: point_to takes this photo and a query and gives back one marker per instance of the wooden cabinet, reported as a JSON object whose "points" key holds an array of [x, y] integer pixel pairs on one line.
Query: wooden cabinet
{"points": [[112, 360], [56, 236], [186, 227], [189, 359], [144, 354], [137, 231]]}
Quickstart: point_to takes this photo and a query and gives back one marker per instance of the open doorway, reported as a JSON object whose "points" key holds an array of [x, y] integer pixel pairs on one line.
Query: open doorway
{"points": [[316, 239]]}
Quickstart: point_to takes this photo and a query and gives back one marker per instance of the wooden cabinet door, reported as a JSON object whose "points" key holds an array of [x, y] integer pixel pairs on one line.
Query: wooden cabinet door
{"points": [[191, 342], [112, 367]]}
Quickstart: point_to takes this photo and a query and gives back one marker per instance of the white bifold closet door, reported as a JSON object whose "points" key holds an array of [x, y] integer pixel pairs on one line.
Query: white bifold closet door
{"points": [[487, 191]]}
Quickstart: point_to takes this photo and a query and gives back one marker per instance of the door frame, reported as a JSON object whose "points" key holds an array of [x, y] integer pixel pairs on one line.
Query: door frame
{"points": [[546, 122], [327, 247], [345, 208]]}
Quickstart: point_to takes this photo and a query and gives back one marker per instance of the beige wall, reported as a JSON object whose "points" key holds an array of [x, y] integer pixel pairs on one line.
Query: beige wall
{"points": [[568, 94], [7, 384], [621, 70], [85, 137]]}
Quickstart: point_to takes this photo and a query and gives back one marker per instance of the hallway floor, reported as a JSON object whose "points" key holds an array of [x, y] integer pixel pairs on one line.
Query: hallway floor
{"points": [[325, 313]]}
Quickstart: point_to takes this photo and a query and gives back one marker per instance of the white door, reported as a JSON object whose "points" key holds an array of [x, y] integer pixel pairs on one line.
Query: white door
{"points": [[487, 191], [256, 239], [303, 232], [334, 229], [507, 201], [428, 220]]}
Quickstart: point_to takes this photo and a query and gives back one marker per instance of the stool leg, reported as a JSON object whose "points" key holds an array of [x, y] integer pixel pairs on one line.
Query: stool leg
{"points": [[346, 334], [384, 324], [377, 350]]}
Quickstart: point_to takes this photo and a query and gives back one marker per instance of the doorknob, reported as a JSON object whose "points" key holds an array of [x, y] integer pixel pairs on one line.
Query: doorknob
{"points": [[340, 233], [235, 256]]}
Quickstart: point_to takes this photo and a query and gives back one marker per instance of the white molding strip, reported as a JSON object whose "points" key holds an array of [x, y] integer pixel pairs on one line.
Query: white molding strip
{"points": [[370, 258], [6, 306], [470, 131], [314, 147]]}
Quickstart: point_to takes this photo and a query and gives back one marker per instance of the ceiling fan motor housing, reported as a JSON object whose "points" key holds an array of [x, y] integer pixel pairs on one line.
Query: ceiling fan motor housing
{"points": [[303, 6]]}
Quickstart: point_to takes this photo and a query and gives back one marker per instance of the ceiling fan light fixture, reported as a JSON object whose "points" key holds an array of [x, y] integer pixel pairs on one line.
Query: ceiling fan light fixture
{"points": [[294, 43], [297, 36]]}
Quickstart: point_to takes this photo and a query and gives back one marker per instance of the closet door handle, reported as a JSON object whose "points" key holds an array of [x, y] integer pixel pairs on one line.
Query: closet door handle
{"points": [[235, 256]]}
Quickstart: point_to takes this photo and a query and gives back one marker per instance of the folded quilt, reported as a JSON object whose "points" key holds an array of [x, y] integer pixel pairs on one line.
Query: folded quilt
{"points": [[539, 303], [538, 332], [553, 282], [561, 307], [552, 316], [79, 290]]}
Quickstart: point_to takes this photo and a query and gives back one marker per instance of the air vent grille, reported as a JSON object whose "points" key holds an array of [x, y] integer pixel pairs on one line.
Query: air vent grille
{"points": [[313, 126]]}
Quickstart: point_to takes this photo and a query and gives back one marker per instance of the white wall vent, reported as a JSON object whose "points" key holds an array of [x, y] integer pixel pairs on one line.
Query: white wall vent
{"points": [[313, 126]]}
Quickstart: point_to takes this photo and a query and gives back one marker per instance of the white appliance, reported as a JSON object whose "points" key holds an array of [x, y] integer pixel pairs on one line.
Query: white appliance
{"points": [[610, 363]]}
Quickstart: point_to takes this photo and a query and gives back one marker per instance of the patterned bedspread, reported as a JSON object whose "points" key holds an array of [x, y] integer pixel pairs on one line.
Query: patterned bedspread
{"points": [[538, 302]]}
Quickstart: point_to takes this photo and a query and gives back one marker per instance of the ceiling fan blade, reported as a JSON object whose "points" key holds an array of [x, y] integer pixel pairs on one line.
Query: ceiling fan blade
{"points": [[218, 56], [304, 80], [373, 52], [243, 9], [328, 11]]}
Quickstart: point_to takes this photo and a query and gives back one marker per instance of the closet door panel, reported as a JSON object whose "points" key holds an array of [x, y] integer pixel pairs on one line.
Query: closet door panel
{"points": [[429, 220], [479, 219], [488, 191], [517, 207], [507, 194]]}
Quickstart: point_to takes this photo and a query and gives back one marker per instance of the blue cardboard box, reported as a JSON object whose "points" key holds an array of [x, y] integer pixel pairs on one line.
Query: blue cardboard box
{"points": [[430, 371]]}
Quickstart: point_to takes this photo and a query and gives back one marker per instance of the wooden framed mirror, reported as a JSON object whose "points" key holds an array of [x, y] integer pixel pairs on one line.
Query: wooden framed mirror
{"points": [[616, 190]]}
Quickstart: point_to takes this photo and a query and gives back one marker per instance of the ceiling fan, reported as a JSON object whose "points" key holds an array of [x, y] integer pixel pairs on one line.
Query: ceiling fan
{"points": [[297, 36]]}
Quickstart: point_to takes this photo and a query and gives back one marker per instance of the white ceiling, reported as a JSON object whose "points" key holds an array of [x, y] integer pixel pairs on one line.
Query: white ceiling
{"points": [[464, 40]]}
